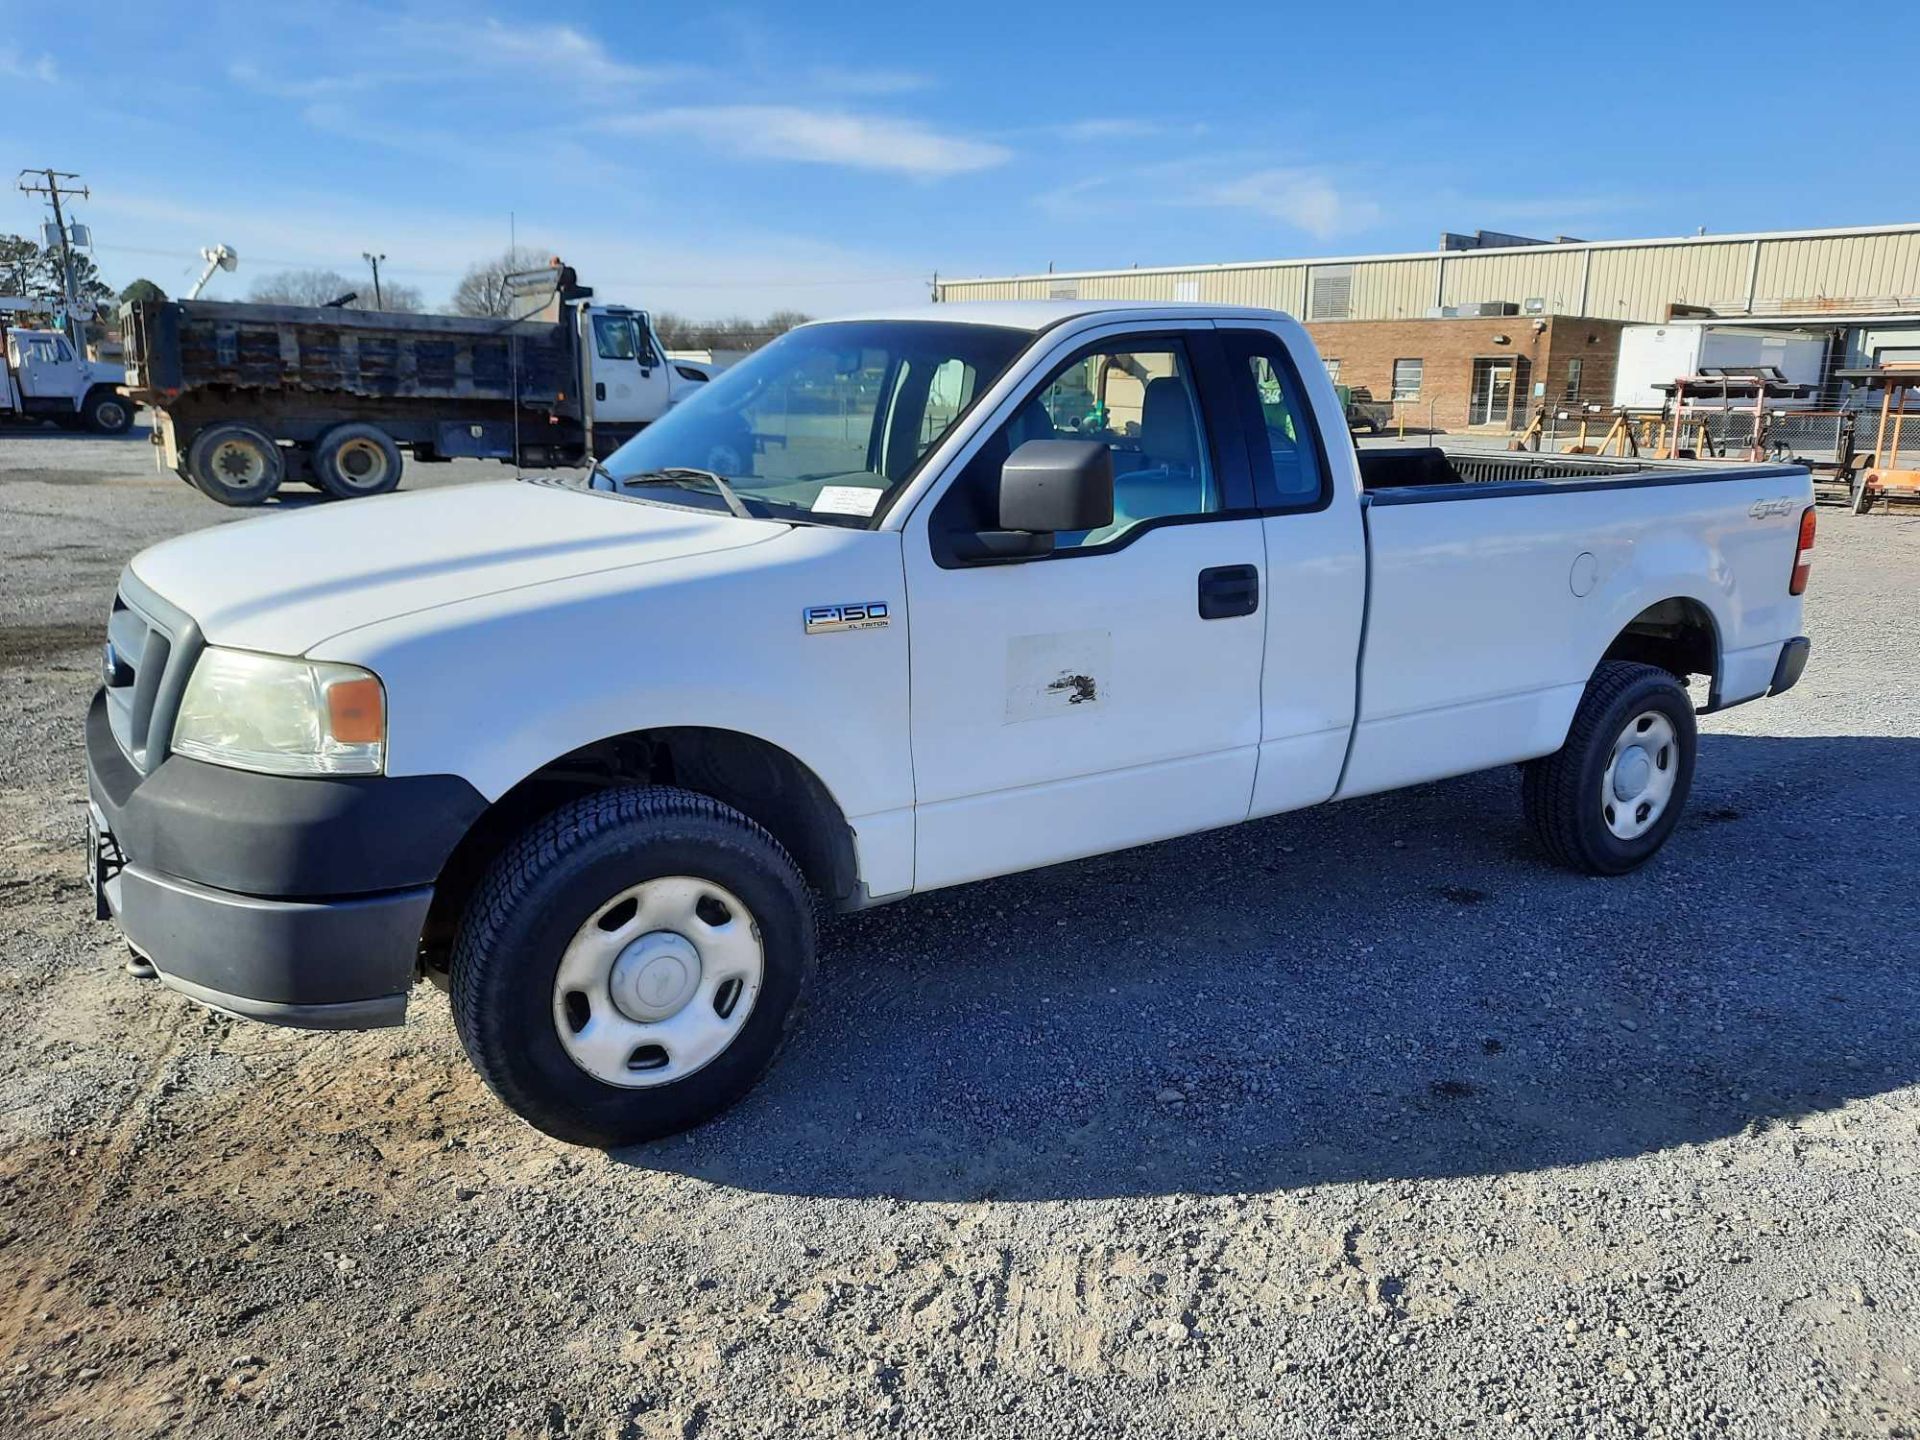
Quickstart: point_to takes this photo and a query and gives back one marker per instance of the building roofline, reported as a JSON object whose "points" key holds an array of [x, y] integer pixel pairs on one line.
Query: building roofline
{"points": [[1555, 246]]}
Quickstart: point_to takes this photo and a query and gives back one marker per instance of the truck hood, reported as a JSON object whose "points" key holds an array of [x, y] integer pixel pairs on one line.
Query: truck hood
{"points": [[284, 583]]}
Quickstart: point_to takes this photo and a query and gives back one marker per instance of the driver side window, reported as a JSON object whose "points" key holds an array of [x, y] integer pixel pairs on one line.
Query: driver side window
{"points": [[1142, 404]]}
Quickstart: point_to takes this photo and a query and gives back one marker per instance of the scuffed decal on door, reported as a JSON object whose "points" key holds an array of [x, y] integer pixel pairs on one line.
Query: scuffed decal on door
{"points": [[1069, 673], [1080, 689]]}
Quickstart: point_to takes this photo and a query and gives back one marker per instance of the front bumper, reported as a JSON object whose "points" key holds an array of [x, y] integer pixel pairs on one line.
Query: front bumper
{"points": [[299, 901]]}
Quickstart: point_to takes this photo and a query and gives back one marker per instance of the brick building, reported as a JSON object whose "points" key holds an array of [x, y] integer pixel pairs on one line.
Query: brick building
{"points": [[1479, 372]]}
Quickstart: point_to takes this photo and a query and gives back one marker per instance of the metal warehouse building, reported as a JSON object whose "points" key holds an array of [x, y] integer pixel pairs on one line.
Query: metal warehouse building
{"points": [[1869, 271], [1478, 332]]}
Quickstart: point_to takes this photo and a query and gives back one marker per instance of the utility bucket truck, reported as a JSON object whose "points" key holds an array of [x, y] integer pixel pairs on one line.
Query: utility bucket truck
{"points": [[44, 377]]}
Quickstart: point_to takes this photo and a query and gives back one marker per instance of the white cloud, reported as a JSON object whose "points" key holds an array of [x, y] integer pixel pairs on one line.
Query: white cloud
{"points": [[1305, 199], [846, 80], [824, 137], [532, 51], [1116, 127], [416, 51], [17, 66]]}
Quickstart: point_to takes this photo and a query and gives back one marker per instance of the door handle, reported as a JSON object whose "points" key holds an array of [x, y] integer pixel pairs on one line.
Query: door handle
{"points": [[599, 390], [1229, 590]]}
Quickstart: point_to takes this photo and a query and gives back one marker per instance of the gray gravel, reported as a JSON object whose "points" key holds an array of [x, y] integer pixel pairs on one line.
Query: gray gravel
{"points": [[1360, 1122]]}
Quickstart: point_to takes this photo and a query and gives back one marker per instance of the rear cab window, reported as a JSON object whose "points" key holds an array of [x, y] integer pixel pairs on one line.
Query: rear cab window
{"points": [[1283, 444]]}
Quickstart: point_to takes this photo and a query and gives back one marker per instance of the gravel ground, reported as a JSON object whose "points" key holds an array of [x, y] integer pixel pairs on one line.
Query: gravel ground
{"points": [[1357, 1122]]}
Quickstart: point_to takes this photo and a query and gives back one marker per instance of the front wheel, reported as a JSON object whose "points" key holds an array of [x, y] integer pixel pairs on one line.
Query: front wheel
{"points": [[1608, 798], [106, 411], [236, 464], [629, 967]]}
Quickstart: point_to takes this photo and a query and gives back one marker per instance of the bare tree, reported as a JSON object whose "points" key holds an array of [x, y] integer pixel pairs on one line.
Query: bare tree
{"points": [[739, 333], [321, 287], [483, 289]]}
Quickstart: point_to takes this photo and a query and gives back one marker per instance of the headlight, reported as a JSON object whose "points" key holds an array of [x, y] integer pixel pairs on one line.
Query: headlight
{"points": [[284, 717]]}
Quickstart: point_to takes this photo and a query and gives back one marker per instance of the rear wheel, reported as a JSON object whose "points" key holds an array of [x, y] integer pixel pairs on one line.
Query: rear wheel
{"points": [[630, 966], [235, 464], [356, 460], [1606, 800]]}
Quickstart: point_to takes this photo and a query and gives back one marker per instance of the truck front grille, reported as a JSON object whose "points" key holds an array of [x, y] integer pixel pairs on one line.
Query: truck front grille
{"points": [[150, 649]]}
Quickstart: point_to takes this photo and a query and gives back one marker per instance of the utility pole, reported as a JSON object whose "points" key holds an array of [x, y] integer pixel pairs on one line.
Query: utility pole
{"points": [[55, 191], [374, 260]]}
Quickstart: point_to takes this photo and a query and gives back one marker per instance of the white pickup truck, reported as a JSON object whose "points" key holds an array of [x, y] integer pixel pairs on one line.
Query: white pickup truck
{"points": [[896, 603]]}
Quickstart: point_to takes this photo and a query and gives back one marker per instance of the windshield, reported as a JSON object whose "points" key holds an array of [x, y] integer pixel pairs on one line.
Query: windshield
{"points": [[820, 425]]}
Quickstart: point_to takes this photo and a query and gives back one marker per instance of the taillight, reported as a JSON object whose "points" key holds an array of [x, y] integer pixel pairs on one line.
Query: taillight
{"points": [[1803, 556]]}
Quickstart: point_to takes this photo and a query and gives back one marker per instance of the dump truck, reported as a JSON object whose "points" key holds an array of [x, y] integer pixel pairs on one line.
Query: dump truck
{"points": [[249, 396]]}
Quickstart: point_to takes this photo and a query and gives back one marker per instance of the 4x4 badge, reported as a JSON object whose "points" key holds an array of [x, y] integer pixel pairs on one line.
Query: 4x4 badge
{"points": [[872, 615]]}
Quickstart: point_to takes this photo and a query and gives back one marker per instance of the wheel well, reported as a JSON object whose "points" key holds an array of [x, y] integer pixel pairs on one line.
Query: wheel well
{"points": [[1678, 635], [760, 780]]}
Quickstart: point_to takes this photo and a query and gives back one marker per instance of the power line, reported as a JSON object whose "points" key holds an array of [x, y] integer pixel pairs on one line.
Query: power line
{"points": [[431, 273], [55, 191]]}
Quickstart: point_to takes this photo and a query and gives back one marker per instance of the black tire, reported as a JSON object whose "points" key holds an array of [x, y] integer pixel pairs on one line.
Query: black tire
{"points": [[106, 411], [352, 461], [1561, 793], [235, 464], [547, 885]]}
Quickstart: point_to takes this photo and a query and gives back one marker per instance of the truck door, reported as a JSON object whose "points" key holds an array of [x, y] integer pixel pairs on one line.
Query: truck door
{"points": [[627, 380], [49, 370], [1316, 583], [1109, 693]]}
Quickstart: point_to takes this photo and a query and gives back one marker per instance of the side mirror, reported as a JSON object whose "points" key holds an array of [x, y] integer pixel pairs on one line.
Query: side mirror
{"points": [[1045, 486], [1050, 485]]}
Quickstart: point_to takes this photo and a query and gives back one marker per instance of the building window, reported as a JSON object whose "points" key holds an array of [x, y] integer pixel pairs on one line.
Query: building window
{"points": [[1406, 379], [1333, 367], [1330, 292], [1573, 380]]}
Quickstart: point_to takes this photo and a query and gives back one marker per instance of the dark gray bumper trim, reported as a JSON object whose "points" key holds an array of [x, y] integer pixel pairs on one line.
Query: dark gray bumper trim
{"points": [[331, 964], [1791, 665], [343, 1015]]}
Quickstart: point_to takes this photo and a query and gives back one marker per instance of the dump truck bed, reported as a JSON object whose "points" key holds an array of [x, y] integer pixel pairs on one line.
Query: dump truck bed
{"points": [[174, 347]]}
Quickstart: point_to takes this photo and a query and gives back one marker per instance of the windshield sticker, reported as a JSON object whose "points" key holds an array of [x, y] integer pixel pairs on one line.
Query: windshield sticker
{"points": [[845, 500]]}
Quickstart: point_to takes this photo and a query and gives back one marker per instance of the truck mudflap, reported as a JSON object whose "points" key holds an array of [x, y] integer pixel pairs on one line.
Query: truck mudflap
{"points": [[166, 445]]}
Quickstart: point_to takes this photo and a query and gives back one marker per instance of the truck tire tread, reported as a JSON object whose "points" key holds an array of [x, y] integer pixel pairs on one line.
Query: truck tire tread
{"points": [[492, 935], [1554, 789]]}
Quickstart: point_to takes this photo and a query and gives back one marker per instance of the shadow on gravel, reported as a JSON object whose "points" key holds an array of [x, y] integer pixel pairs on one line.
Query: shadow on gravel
{"points": [[1391, 988], [54, 432]]}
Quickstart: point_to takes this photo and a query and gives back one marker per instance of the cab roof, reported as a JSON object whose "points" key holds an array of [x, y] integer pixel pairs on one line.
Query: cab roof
{"points": [[1043, 314]]}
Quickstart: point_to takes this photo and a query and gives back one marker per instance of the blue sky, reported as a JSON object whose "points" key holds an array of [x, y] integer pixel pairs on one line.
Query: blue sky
{"points": [[721, 159]]}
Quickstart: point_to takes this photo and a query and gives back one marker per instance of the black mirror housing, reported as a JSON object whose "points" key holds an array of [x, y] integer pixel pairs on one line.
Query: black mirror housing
{"points": [[1051, 485]]}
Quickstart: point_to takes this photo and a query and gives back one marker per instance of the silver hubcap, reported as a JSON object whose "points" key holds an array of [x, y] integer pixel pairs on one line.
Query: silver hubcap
{"points": [[361, 464], [239, 463], [1640, 776], [658, 982]]}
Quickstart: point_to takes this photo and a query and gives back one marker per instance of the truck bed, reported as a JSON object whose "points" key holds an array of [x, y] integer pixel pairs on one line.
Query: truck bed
{"points": [[174, 347], [1483, 618], [1425, 474]]}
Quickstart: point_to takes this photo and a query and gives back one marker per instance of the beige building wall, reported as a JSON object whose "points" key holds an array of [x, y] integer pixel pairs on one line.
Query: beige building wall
{"points": [[1635, 280]]}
